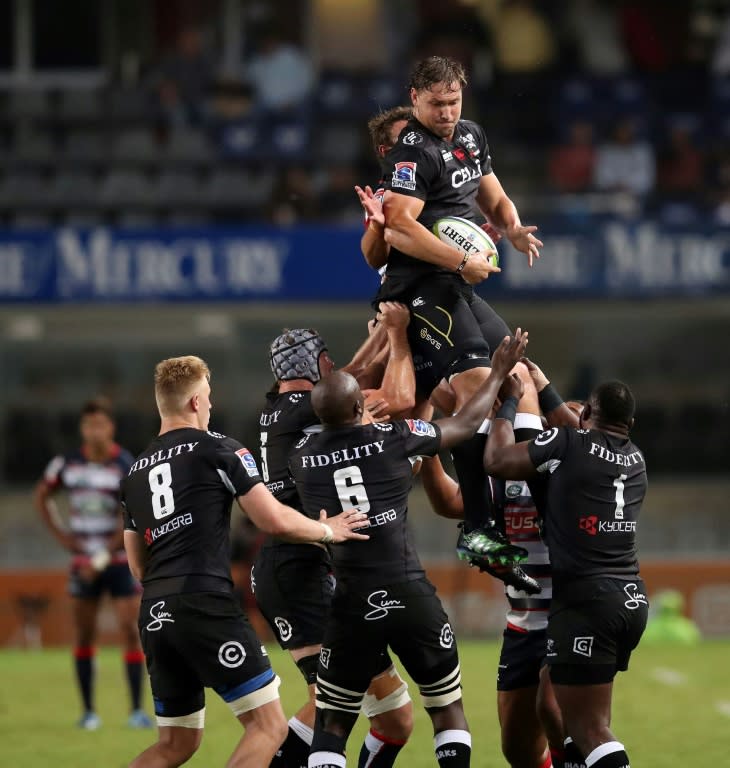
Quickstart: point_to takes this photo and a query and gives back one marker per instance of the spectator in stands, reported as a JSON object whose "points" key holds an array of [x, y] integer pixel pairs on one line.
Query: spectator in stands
{"points": [[625, 163], [280, 73], [680, 166], [593, 29], [571, 164], [183, 80]]}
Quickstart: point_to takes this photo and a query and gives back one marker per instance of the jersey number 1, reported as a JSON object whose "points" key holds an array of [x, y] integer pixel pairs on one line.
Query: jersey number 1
{"points": [[618, 513], [160, 480]]}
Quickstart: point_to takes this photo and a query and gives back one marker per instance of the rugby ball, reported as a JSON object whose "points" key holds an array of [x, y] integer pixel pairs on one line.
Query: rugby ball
{"points": [[467, 236]]}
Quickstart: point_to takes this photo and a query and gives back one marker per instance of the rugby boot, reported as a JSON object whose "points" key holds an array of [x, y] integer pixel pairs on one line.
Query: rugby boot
{"points": [[487, 544], [140, 719], [90, 721], [512, 576]]}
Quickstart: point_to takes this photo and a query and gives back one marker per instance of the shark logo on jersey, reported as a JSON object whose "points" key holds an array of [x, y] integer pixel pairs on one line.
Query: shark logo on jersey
{"points": [[383, 427], [302, 442], [412, 138], [546, 437], [295, 397], [248, 461]]}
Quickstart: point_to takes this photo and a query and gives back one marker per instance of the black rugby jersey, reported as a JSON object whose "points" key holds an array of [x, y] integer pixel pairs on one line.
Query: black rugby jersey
{"points": [[285, 419], [282, 423], [367, 467], [445, 174], [596, 484], [178, 496]]}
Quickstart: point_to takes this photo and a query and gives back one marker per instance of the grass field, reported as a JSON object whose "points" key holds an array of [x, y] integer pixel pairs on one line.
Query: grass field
{"points": [[671, 708]]}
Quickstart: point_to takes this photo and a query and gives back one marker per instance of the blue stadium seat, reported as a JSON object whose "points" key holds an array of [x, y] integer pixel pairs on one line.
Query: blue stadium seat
{"points": [[338, 95], [290, 140]]}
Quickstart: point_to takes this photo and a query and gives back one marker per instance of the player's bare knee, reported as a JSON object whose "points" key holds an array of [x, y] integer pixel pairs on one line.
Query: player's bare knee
{"points": [[396, 724]]}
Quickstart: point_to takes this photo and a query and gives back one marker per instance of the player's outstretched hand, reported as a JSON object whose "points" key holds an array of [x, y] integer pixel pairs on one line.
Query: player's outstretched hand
{"points": [[509, 353], [372, 206], [512, 386], [524, 241], [345, 524], [377, 409], [478, 268], [393, 314], [539, 378]]}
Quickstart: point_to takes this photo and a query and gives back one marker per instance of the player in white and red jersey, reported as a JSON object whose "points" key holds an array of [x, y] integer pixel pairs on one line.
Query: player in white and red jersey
{"points": [[91, 475]]}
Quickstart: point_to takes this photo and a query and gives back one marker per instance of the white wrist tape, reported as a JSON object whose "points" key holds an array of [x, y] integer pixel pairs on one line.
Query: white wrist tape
{"points": [[329, 534]]}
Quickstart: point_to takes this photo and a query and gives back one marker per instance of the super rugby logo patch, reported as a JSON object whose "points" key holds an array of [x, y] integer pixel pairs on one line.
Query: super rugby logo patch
{"points": [[404, 176], [421, 428], [248, 461]]}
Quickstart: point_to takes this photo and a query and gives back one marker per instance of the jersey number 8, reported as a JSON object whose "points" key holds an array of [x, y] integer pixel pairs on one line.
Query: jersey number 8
{"points": [[163, 501]]}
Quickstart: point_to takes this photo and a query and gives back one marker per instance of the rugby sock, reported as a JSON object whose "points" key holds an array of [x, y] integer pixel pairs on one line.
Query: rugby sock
{"points": [[547, 762], [479, 509], [573, 757], [326, 760], [293, 753], [133, 661], [378, 751], [453, 748], [84, 660], [608, 755]]}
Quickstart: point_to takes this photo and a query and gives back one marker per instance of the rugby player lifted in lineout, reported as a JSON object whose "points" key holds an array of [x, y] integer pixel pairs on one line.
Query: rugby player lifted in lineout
{"points": [[441, 166]]}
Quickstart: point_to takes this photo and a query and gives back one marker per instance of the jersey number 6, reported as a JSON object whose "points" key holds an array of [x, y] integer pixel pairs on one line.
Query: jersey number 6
{"points": [[348, 482]]}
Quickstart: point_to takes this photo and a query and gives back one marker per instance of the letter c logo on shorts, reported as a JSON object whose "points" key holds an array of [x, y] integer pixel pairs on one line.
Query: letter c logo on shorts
{"points": [[447, 636], [284, 627], [231, 654]]}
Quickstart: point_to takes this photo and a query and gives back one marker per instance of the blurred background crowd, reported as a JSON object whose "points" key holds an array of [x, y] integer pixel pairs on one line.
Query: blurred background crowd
{"points": [[191, 112]]}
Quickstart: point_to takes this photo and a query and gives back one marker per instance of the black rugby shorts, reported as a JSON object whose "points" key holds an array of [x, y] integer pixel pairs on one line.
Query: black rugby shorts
{"points": [[199, 640], [522, 656], [293, 586], [407, 617], [593, 629]]}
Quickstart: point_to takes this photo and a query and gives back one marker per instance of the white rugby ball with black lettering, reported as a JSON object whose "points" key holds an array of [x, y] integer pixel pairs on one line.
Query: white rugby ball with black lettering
{"points": [[466, 236]]}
